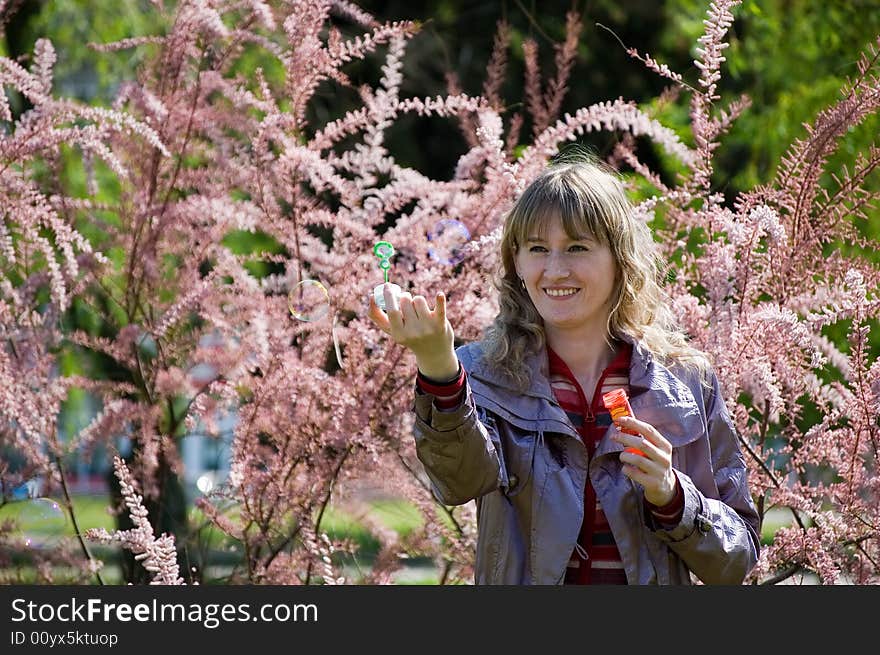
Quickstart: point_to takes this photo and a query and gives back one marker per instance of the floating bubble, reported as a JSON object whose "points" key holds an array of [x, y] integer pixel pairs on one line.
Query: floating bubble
{"points": [[448, 238], [309, 301], [42, 521], [205, 483], [336, 346]]}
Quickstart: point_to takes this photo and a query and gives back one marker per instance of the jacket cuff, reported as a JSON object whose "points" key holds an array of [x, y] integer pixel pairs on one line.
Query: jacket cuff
{"points": [[447, 394], [690, 514], [669, 514], [442, 424], [440, 387]]}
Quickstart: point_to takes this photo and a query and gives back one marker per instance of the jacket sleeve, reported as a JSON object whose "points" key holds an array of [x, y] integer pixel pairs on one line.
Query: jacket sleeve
{"points": [[717, 538], [459, 452]]}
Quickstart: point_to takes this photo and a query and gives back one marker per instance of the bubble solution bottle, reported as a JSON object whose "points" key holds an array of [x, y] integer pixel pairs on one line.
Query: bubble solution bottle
{"points": [[617, 402]]}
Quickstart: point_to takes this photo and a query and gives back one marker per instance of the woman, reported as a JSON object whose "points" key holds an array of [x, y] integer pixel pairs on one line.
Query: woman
{"points": [[516, 421]]}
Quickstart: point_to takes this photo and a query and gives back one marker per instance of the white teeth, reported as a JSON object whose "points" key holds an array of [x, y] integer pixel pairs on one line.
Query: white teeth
{"points": [[558, 292]]}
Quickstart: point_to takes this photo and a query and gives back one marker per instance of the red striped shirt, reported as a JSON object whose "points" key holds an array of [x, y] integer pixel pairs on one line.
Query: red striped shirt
{"points": [[596, 559]]}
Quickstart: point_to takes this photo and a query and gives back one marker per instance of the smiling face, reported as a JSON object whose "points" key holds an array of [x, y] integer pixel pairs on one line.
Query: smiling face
{"points": [[569, 278]]}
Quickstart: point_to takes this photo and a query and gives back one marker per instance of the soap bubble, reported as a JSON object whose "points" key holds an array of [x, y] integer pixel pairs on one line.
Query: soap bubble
{"points": [[337, 349], [42, 521], [309, 301], [205, 483], [448, 238]]}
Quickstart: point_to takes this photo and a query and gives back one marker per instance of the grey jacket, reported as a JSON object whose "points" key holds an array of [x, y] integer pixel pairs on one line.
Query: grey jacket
{"points": [[518, 455]]}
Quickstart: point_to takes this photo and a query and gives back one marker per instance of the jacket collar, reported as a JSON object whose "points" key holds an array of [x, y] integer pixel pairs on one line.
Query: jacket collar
{"points": [[642, 369], [657, 395]]}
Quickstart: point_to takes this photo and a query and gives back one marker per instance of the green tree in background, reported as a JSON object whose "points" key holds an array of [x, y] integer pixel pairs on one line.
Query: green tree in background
{"points": [[786, 55]]}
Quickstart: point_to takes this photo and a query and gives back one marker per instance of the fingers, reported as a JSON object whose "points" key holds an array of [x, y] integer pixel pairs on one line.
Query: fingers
{"points": [[636, 443], [406, 316], [648, 450], [390, 297], [657, 481], [379, 317], [647, 438], [415, 308], [420, 307], [642, 462], [440, 307], [647, 456], [395, 317]]}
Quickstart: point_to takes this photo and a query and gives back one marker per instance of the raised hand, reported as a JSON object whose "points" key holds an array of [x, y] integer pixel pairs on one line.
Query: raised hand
{"points": [[427, 333]]}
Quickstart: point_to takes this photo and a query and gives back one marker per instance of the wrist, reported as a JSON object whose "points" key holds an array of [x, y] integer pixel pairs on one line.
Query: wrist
{"points": [[669, 503], [658, 502], [440, 381], [445, 369]]}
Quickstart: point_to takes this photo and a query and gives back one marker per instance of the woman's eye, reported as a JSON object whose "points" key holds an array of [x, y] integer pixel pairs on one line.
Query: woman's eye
{"points": [[572, 248]]}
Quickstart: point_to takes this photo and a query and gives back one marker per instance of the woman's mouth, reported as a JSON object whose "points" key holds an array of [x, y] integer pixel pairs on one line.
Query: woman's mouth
{"points": [[561, 292]]}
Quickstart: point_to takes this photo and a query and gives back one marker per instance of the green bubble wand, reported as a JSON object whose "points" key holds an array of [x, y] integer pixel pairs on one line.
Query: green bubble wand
{"points": [[384, 251]]}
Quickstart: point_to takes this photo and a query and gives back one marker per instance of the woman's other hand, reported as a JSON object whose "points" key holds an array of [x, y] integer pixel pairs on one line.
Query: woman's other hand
{"points": [[653, 470]]}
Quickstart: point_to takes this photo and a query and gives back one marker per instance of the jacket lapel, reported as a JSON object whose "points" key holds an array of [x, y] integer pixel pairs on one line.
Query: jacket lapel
{"points": [[535, 408], [660, 398]]}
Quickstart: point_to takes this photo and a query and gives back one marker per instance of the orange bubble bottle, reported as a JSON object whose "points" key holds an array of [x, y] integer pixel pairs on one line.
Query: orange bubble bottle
{"points": [[617, 402]]}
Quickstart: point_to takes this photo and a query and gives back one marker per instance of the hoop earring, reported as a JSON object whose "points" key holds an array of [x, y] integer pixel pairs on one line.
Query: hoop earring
{"points": [[522, 283]]}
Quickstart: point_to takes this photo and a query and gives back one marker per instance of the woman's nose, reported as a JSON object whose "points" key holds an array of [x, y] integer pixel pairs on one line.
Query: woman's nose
{"points": [[556, 267]]}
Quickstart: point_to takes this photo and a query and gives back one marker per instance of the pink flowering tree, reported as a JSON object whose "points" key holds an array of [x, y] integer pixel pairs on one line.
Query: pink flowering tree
{"points": [[226, 244], [44, 263], [756, 284]]}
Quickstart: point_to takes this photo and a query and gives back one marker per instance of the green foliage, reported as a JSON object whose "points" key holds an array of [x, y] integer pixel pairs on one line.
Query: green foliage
{"points": [[74, 24], [398, 515], [791, 57], [243, 242]]}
